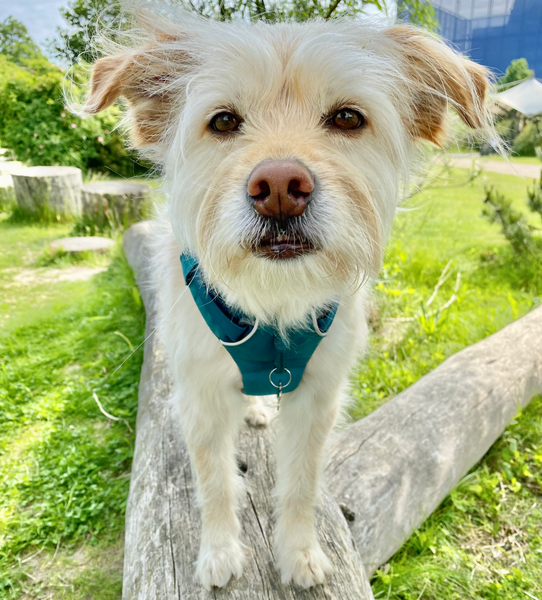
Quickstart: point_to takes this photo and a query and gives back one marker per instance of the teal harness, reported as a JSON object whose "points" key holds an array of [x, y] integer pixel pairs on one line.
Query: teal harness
{"points": [[268, 364]]}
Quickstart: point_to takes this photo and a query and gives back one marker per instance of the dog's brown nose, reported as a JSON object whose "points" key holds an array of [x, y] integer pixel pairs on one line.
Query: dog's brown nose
{"points": [[280, 189]]}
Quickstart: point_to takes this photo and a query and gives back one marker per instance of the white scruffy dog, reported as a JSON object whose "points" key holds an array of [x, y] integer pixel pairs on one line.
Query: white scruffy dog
{"points": [[284, 150]]}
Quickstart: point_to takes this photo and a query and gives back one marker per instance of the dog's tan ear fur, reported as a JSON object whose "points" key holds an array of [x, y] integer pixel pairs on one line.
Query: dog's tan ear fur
{"points": [[438, 76], [109, 77], [141, 77]]}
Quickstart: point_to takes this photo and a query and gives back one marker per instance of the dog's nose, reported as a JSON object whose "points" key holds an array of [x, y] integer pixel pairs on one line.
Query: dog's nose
{"points": [[280, 189]]}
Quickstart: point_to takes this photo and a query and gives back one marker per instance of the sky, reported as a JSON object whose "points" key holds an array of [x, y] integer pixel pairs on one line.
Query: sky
{"points": [[41, 17]]}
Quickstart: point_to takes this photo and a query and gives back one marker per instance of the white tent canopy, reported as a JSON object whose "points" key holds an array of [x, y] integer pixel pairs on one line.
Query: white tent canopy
{"points": [[526, 98]]}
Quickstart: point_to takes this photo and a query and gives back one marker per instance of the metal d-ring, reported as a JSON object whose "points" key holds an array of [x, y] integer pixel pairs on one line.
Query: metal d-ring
{"points": [[280, 385]]}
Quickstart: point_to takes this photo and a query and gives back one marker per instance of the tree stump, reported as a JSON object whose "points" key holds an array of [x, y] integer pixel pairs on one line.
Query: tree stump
{"points": [[7, 193], [48, 193], [114, 203]]}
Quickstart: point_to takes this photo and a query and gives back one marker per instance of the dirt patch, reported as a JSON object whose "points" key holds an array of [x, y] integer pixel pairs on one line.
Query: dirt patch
{"points": [[39, 276]]}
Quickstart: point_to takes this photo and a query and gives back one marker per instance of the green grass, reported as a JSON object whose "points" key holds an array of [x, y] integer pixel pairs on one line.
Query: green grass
{"points": [[64, 467], [467, 549]]}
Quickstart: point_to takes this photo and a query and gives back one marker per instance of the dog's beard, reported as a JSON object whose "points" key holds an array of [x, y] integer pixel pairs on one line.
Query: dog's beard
{"points": [[279, 274], [274, 240]]}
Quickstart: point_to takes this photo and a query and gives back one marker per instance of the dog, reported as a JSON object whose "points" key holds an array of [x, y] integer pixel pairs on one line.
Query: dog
{"points": [[286, 150]]}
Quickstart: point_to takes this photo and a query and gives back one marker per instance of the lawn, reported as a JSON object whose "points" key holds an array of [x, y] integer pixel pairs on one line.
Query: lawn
{"points": [[64, 467]]}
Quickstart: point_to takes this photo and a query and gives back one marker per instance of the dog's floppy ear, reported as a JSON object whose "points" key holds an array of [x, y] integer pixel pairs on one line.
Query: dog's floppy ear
{"points": [[142, 77], [438, 76]]}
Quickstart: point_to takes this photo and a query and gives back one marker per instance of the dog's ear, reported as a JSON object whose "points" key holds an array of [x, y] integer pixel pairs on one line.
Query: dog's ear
{"points": [[143, 78], [437, 76]]}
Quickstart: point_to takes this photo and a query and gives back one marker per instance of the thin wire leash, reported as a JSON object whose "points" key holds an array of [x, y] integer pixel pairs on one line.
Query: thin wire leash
{"points": [[152, 332], [95, 395]]}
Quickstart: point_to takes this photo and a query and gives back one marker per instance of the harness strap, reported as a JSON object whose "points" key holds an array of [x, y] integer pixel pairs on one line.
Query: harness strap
{"points": [[266, 360]]}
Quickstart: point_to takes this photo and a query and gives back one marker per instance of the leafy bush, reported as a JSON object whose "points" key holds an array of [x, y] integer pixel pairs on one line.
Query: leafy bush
{"points": [[36, 125], [527, 141], [517, 70]]}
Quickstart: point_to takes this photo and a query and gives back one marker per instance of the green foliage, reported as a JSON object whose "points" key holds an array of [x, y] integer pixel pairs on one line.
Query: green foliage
{"points": [[514, 225], [15, 43], [37, 126], [527, 140], [83, 18], [419, 12], [516, 71]]}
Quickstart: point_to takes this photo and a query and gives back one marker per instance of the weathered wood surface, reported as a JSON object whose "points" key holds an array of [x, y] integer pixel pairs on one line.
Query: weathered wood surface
{"points": [[119, 202], [162, 519], [394, 467], [51, 190]]}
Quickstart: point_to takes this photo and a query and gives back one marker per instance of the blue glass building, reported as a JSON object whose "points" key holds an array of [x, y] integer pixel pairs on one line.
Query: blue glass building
{"points": [[494, 32]]}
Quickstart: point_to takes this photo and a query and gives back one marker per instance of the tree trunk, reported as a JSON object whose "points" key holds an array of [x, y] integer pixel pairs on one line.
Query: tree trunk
{"points": [[117, 203], [162, 517], [48, 193]]}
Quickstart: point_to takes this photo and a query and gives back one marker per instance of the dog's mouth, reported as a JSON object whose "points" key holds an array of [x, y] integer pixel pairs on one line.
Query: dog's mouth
{"points": [[283, 246]]}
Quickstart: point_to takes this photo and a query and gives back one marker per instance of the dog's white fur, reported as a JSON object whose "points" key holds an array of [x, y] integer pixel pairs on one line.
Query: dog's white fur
{"points": [[282, 80]]}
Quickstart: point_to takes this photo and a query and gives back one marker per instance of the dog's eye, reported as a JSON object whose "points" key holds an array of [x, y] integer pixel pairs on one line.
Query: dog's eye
{"points": [[225, 122], [347, 118]]}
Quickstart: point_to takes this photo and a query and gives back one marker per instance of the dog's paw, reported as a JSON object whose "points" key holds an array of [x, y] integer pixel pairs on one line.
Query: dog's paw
{"points": [[258, 415], [305, 567], [216, 565]]}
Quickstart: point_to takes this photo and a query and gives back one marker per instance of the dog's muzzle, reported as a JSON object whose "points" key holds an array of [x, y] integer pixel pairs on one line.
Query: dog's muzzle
{"points": [[280, 192]]}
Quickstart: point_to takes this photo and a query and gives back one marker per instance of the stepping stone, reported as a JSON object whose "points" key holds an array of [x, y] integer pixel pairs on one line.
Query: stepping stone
{"points": [[82, 244], [48, 191]]}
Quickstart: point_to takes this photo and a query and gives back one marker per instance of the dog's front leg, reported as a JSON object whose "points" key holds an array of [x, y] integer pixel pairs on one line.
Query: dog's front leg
{"points": [[305, 420], [210, 422]]}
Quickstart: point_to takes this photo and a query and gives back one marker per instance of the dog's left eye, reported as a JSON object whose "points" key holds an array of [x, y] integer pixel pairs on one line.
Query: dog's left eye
{"points": [[225, 122], [347, 119]]}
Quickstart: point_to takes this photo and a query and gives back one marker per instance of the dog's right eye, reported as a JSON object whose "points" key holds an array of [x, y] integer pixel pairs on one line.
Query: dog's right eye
{"points": [[225, 122]]}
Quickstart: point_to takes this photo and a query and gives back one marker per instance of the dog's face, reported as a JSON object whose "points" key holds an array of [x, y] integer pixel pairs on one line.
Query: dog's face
{"points": [[285, 147]]}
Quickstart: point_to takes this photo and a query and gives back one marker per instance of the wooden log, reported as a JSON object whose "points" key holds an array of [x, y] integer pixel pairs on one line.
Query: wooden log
{"points": [[48, 191], [162, 518], [117, 203], [394, 467]]}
